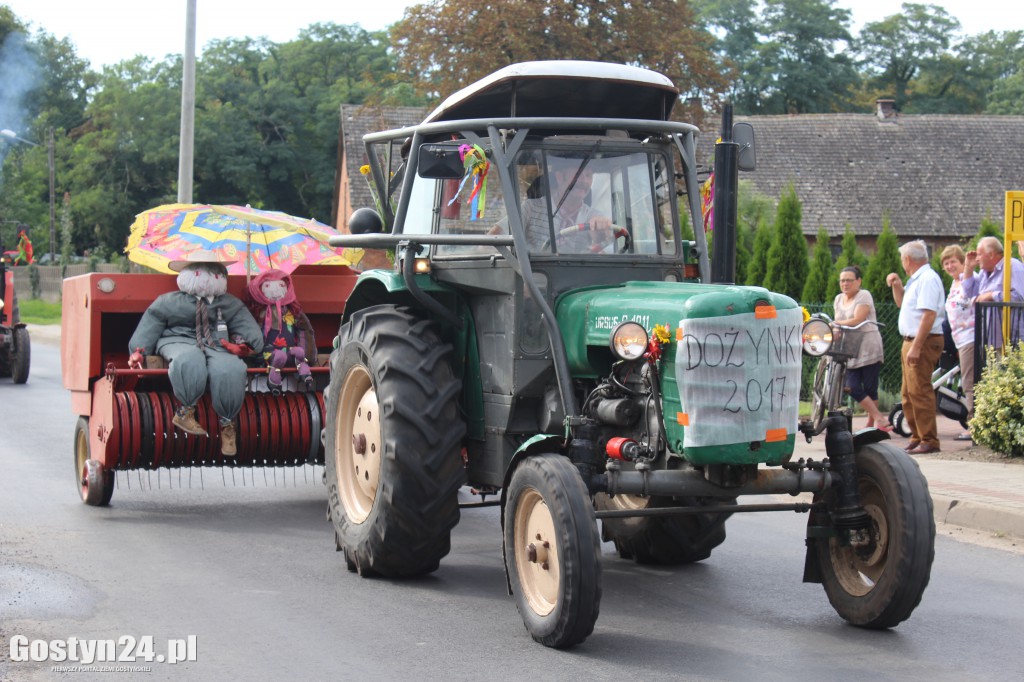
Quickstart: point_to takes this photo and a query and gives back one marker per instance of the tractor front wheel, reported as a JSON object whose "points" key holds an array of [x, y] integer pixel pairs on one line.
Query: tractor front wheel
{"points": [[879, 585], [393, 443], [21, 355], [552, 552], [95, 483]]}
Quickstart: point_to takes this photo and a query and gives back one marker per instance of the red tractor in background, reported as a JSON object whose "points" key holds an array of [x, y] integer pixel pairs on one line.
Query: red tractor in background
{"points": [[15, 345]]}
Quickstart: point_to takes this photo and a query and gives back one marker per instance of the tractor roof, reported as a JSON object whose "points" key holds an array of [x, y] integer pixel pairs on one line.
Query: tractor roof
{"points": [[563, 88]]}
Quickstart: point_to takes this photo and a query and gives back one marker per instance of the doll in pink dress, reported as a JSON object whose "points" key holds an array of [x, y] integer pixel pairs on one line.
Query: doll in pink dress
{"points": [[287, 333]]}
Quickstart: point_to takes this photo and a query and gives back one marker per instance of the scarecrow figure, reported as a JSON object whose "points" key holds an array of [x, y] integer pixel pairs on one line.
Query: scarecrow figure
{"points": [[287, 333], [203, 333]]}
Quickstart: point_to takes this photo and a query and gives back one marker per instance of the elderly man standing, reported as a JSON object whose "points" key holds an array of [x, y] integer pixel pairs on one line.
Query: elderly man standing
{"points": [[922, 309], [987, 285]]}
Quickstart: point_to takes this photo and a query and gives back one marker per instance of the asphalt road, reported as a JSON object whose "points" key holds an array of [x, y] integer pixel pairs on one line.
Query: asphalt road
{"points": [[250, 570]]}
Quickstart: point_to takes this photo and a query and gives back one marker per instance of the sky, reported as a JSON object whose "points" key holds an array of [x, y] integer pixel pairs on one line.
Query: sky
{"points": [[109, 31]]}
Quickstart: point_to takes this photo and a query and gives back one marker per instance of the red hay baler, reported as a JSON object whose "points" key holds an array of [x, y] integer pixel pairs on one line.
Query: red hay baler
{"points": [[124, 415]]}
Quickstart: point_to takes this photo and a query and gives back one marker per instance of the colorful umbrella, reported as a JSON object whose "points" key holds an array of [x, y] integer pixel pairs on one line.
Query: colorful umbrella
{"points": [[259, 240]]}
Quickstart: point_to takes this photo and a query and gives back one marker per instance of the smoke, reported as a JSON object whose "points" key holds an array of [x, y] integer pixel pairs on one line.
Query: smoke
{"points": [[19, 75]]}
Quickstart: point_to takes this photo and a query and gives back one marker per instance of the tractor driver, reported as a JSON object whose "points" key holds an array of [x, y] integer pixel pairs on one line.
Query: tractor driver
{"points": [[578, 227]]}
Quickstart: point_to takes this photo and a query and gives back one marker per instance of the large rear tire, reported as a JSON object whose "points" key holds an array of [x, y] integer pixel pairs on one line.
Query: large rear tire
{"points": [[880, 586], [95, 483], [393, 444], [552, 552], [664, 540], [21, 355]]}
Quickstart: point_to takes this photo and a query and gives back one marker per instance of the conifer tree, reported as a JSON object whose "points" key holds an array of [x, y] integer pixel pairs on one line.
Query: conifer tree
{"points": [[885, 260], [850, 255], [759, 253], [743, 239], [787, 266], [822, 272]]}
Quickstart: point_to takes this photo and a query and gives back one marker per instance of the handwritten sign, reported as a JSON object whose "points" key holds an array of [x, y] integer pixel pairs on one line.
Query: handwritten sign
{"points": [[739, 377]]}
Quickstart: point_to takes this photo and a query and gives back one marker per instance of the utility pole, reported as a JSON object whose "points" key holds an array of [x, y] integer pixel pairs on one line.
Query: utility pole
{"points": [[53, 228], [188, 108]]}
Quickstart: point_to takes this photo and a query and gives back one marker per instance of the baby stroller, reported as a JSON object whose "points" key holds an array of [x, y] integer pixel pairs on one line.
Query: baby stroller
{"points": [[950, 401]]}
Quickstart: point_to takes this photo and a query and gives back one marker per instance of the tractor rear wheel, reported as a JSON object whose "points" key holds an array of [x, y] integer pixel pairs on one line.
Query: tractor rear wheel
{"points": [[95, 484], [880, 585], [21, 355], [393, 443], [552, 552], [664, 540]]}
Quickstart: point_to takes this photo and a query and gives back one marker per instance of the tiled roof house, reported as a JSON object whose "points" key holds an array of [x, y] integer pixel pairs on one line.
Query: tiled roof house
{"points": [[936, 176], [357, 120]]}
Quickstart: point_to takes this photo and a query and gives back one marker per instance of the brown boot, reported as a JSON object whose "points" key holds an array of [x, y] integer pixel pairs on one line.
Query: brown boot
{"points": [[227, 440], [185, 419]]}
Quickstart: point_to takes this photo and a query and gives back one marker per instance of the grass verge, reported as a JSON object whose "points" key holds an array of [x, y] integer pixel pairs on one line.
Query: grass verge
{"points": [[38, 311]]}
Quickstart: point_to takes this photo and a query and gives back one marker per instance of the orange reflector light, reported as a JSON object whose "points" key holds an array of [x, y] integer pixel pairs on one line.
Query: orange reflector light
{"points": [[683, 418], [775, 435], [765, 312]]}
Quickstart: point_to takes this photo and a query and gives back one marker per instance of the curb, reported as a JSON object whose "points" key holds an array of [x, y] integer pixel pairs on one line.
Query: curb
{"points": [[979, 516]]}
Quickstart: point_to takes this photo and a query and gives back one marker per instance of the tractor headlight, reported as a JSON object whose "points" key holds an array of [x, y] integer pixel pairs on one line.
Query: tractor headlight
{"points": [[817, 337], [629, 341]]}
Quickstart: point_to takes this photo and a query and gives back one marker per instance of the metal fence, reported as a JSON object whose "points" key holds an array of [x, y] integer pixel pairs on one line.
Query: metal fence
{"points": [[989, 318], [51, 278]]}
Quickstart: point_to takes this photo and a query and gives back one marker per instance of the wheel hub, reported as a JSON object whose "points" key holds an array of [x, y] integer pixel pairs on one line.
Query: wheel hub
{"points": [[536, 553], [358, 444]]}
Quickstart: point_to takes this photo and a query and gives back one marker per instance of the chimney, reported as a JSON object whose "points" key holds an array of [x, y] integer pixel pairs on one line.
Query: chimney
{"points": [[885, 109]]}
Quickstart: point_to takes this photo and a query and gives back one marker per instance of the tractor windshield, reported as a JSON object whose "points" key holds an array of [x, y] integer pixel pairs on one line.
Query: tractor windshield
{"points": [[601, 202]]}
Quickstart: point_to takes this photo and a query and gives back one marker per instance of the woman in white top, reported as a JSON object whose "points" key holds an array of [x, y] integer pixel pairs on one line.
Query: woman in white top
{"points": [[960, 313], [853, 306]]}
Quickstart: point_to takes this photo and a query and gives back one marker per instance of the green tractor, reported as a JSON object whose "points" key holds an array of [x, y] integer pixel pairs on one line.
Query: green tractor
{"points": [[547, 337]]}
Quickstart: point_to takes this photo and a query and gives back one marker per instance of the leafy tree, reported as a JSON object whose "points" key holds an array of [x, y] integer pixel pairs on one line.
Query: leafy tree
{"points": [[822, 272], [886, 259], [787, 266], [757, 266], [447, 44], [805, 69], [126, 159], [849, 255], [735, 25], [960, 82], [1007, 96], [897, 48]]}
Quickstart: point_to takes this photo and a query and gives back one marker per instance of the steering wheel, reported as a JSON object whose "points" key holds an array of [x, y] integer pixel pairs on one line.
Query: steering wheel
{"points": [[616, 231]]}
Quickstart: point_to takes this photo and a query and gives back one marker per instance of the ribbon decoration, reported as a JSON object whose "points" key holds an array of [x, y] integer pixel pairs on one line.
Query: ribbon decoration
{"points": [[476, 164], [707, 207]]}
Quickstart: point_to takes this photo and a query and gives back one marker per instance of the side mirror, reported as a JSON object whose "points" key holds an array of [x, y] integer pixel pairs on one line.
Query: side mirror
{"points": [[365, 221], [440, 161], [743, 135]]}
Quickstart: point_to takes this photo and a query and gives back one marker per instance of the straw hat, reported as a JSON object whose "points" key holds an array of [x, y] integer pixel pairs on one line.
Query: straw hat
{"points": [[200, 256]]}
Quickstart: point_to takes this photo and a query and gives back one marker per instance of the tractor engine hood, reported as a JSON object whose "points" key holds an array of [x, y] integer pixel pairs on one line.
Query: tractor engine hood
{"points": [[588, 316], [729, 373]]}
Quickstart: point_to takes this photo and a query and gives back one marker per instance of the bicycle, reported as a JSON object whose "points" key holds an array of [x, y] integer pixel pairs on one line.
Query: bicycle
{"points": [[827, 393]]}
